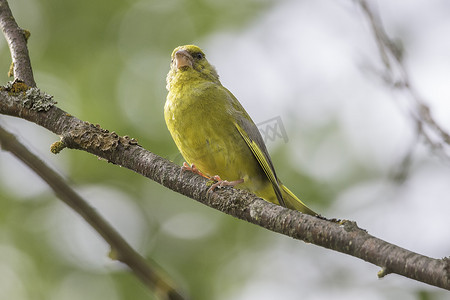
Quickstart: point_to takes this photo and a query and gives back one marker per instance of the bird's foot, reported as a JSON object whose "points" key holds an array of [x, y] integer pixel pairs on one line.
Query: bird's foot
{"points": [[221, 183], [192, 168]]}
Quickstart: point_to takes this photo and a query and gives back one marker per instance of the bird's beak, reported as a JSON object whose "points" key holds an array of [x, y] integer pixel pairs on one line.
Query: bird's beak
{"points": [[183, 59]]}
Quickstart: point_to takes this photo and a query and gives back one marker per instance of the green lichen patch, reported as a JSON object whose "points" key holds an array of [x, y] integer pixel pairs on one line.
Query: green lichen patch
{"points": [[15, 87], [57, 147], [37, 100], [31, 97]]}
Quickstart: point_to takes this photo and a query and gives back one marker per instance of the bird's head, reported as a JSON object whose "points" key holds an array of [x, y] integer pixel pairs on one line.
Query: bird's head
{"points": [[190, 60]]}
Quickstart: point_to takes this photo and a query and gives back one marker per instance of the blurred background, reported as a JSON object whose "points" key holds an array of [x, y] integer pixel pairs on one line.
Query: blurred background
{"points": [[350, 148]]}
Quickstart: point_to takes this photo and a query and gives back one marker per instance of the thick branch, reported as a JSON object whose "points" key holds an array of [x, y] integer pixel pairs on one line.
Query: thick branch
{"points": [[17, 43], [146, 270], [344, 237]]}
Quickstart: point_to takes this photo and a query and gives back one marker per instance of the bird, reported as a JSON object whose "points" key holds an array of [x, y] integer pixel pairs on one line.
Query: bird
{"points": [[214, 133]]}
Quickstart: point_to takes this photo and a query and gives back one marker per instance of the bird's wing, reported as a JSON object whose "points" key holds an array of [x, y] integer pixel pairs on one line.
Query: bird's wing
{"points": [[252, 137], [254, 141]]}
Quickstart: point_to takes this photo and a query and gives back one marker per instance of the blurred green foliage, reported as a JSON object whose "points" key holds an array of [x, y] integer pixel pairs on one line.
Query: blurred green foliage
{"points": [[106, 62]]}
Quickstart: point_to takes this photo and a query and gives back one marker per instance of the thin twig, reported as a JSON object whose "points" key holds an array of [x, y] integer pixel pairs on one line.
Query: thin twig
{"points": [[396, 76], [17, 42], [148, 271]]}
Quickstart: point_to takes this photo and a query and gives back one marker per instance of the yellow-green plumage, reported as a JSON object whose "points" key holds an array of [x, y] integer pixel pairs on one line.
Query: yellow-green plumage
{"points": [[214, 132]]}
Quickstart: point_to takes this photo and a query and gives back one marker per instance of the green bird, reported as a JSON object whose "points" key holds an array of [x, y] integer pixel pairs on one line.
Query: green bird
{"points": [[214, 133]]}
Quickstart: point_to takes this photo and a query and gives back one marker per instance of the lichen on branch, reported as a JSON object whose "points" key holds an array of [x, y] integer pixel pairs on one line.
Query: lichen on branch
{"points": [[30, 97]]}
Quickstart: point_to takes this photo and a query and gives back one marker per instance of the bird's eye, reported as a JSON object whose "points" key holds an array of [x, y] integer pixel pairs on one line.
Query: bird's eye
{"points": [[198, 55]]}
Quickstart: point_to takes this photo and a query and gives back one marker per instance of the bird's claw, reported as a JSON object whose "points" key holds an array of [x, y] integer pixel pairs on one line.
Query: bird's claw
{"points": [[192, 168], [222, 183], [219, 182]]}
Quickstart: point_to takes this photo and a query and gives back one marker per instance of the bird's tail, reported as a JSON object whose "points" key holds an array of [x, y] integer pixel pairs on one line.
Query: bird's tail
{"points": [[293, 202]]}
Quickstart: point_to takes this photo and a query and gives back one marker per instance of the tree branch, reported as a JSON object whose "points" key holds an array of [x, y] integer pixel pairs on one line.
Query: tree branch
{"points": [[146, 270], [343, 237], [396, 76], [17, 42]]}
